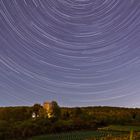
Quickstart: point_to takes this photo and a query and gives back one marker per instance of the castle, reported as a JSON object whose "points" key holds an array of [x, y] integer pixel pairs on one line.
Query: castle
{"points": [[48, 107]]}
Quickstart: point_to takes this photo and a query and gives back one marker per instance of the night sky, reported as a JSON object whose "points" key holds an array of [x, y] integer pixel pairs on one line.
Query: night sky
{"points": [[77, 52]]}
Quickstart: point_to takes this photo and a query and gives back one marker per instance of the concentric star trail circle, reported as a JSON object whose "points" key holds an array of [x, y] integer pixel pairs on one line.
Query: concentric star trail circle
{"points": [[78, 52]]}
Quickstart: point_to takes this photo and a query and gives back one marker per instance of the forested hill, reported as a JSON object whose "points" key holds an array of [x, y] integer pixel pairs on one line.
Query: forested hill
{"points": [[18, 122], [18, 113], [104, 113]]}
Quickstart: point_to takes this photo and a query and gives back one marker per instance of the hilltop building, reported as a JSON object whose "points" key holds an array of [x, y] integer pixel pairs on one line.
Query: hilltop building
{"points": [[48, 107], [47, 110]]}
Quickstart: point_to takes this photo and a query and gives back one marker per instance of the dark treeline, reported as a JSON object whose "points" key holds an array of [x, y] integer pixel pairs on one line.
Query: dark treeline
{"points": [[17, 122]]}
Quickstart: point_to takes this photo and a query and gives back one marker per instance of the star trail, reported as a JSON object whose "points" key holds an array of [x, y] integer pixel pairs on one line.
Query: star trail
{"points": [[77, 52]]}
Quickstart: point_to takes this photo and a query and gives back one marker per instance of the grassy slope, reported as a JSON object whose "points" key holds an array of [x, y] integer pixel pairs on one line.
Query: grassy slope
{"points": [[121, 128], [112, 132], [81, 135]]}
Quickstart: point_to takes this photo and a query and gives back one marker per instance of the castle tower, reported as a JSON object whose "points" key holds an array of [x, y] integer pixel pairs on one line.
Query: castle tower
{"points": [[48, 106]]}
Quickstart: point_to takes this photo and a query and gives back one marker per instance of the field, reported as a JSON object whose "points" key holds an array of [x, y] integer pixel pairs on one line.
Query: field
{"points": [[80, 135], [121, 128], [112, 132]]}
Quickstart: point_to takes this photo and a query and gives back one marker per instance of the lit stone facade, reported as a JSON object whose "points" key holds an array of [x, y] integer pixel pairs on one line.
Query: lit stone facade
{"points": [[48, 106]]}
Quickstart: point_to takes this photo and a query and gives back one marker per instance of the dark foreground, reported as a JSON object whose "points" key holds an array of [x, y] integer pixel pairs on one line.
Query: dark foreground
{"points": [[85, 123]]}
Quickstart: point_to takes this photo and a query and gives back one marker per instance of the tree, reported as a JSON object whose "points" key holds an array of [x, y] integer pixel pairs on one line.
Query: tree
{"points": [[65, 115], [36, 109], [77, 112], [56, 111]]}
